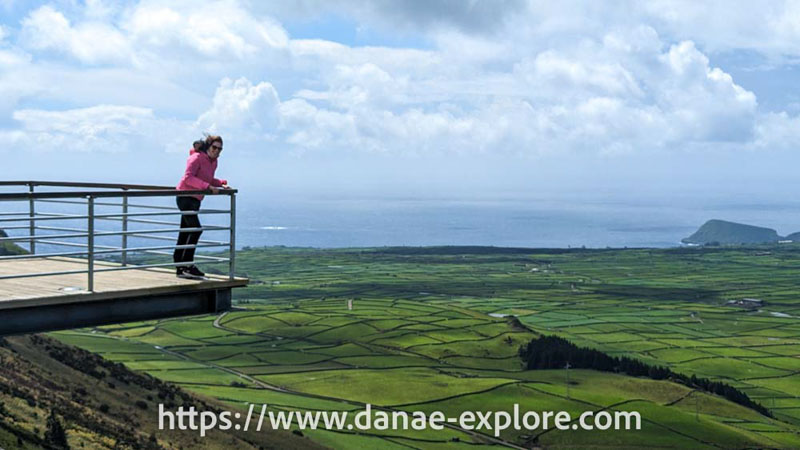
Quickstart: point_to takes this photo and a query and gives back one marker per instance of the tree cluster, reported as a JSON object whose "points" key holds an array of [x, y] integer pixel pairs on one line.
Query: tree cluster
{"points": [[553, 352]]}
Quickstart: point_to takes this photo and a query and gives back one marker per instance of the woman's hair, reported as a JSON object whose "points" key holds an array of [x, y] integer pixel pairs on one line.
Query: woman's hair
{"points": [[204, 144], [210, 139]]}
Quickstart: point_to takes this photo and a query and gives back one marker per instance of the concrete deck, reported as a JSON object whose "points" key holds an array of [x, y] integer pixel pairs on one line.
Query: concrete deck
{"points": [[53, 302]]}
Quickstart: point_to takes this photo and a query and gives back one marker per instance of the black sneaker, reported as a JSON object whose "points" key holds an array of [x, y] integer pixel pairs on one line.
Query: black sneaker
{"points": [[193, 270], [189, 274]]}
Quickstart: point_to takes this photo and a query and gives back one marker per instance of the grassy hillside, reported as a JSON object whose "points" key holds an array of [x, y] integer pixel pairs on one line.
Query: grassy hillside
{"points": [[10, 248], [426, 333], [98, 403]]}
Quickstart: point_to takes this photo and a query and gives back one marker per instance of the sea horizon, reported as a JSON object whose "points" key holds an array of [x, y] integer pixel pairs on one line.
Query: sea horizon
{"points": [[541, 222]]}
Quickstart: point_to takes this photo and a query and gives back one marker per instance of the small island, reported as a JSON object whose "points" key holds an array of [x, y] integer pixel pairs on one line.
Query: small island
{"points": [[722, 232]]}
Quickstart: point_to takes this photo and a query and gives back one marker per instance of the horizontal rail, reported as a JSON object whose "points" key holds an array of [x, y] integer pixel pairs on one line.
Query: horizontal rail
{"points": [[164, 238], [41, 227], [130, 205], [134, 205], [73, 244], [212, 258], [145, 221], [114, 233], [43, 274], [146, 266], [162, 230], [69, 202], [107, 194], [32, 237], [173, 213], [47, 216], [44, 255], [108, 250], [81, 184], [59, 216]]}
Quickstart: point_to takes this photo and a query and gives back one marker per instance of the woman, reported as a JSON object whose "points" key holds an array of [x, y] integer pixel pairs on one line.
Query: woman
{"points": [[199, 175]]}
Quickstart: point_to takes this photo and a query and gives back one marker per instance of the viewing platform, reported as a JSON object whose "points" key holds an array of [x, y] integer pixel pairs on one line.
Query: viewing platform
{"points": [[112, 272]]}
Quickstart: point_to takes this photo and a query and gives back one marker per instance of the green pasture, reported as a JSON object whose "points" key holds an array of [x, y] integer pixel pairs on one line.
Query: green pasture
{"points": [[420, 337]]}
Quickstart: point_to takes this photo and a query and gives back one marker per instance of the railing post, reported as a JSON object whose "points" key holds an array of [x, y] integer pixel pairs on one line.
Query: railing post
{"points": [[32, 222], [232, 250], [91, 243], [124, 229]]}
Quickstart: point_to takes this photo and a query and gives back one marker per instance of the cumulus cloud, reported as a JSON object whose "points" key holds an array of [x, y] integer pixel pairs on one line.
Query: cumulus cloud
{"points": [[363, 84], [317, 55], [704, 103], [218, 29], [90, 42], [241, 108], [555, 74], [622, 92], [511, 78], [777, 131], [15, 80], [150, 31], [103, 128], [767, 27]]}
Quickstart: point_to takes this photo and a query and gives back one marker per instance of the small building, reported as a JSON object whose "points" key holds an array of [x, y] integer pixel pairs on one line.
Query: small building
{"points": [[749, 303]]}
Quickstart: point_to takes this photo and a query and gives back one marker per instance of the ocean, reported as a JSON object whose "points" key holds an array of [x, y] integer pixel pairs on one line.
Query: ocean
{"points": [[575, 220], [593, 220]]}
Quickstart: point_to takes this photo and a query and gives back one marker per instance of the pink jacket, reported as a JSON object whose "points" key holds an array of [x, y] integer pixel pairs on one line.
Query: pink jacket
{"points": [[199, 173]]}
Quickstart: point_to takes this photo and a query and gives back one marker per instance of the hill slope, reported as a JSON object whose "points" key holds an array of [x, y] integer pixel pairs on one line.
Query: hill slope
{"points": [[10, 248], [99, 404]]}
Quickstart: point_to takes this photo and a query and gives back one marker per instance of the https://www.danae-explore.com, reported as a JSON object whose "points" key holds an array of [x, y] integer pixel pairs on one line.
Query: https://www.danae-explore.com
{"points": [[488, 422]]}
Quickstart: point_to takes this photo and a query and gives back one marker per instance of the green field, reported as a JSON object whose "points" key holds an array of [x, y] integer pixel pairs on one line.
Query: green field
{"points": [[427, 333]]}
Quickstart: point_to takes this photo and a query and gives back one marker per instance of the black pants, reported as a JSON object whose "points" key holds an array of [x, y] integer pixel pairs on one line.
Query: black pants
{"points": [[187, 237]]}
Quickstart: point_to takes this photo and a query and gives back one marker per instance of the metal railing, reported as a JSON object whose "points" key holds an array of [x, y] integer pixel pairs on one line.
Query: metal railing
{"points": [[114, 196]]}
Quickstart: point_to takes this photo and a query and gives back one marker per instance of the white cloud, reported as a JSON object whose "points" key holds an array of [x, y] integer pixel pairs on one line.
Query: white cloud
{"points": [[538, 78], [317, 55], [102, 128], [703, 103], [554, 74], [15, 81], [89, 42], [216, 29], [767, 27], [308, 127], [150, 31], [242, 108], [623, 92], [363, 84], [101, 9], [777, 131]]}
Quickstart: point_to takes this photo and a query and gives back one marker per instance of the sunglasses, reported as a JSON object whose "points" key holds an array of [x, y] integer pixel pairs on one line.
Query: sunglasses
{"points": [[217, 147]]}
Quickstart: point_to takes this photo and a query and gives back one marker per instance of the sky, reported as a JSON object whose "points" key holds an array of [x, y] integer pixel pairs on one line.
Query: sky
{"points": [[413, 97]]}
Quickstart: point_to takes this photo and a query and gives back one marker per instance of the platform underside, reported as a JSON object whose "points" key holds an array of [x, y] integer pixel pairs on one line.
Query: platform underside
{"points": [[57, 302]]}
